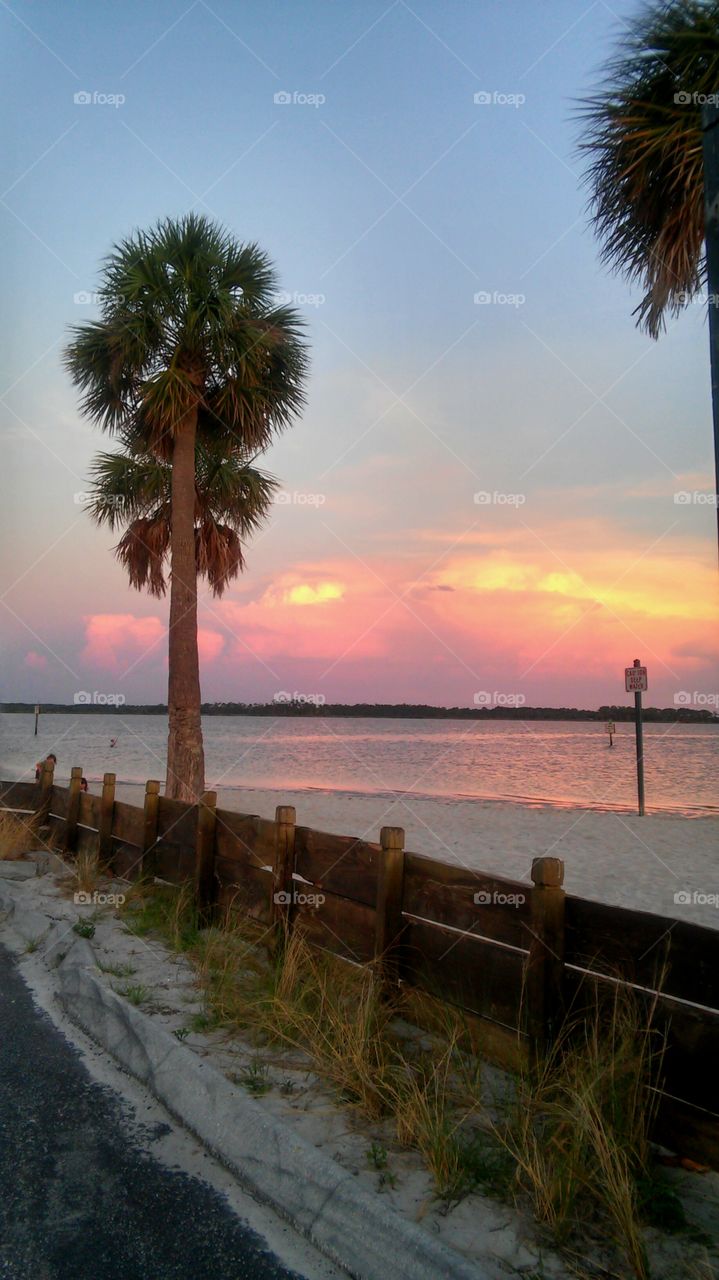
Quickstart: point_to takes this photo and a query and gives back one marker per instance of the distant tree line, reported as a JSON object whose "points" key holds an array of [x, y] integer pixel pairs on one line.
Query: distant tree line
{"points": [[383, 710]]}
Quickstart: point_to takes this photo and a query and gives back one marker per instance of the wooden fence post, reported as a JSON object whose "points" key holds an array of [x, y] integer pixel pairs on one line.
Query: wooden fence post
{"points": [[545, 966], [388, 922], [73, 809], [283, 885], [107, 809], [47, 778], [205, 857], [149, 827]]}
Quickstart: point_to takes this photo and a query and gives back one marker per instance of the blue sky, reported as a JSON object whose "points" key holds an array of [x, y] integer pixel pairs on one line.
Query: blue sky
{"points": [[389, 205]]}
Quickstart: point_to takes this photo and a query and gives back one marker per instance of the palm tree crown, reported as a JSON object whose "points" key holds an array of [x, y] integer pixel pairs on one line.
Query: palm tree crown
{"points": [[643, 138], [189, 318], [132, 490]]}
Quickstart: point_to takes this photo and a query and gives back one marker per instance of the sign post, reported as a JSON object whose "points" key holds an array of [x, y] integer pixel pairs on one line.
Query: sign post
{"points": [[635, 681], [611, 730], [37, 713]]}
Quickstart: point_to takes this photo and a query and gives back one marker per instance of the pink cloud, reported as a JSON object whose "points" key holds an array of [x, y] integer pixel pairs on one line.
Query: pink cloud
{"points": [[37, 661], [210, 644], [115, 641]]}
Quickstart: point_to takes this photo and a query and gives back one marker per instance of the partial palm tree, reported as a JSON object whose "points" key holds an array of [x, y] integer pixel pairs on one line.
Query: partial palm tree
{"points": [[650, 136], [132, 490], [190, 346], [643, 141]]}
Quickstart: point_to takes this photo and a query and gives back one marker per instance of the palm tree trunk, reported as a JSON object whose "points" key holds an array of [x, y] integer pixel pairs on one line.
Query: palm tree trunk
{"points": [[185, 754], [710, 127]]}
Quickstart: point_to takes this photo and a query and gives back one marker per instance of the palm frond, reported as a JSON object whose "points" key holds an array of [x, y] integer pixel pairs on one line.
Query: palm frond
{"points": [[142, 550], [132, 489], [643, 142]]}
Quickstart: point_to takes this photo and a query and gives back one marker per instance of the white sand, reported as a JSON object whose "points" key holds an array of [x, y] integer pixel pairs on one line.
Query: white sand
{"points": [[613, 857]]}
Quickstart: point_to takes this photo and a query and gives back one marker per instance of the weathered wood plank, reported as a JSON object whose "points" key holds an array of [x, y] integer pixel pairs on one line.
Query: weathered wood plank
{"points": [[464, 971], [243, 887], [126, 861], [344, 865], [337, 924], [174, 863], [690, 1064], [508, 1048], [89, 815], [246, 838], [18, 795], [59, 799], [465, 899], [644, 948], [688, 1130], [127, 823], [176, 822]]}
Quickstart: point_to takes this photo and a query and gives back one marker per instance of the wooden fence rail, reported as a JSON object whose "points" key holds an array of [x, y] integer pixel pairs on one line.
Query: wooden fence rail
{"points": [[514, 956]]}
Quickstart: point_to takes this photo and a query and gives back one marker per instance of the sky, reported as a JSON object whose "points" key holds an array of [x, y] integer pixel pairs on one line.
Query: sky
{"points": [[499, 488]]}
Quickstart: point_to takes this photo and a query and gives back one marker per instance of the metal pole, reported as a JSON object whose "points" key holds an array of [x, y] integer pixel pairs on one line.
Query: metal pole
{"points": [[640, 751], [37, 713], [710, 120]]}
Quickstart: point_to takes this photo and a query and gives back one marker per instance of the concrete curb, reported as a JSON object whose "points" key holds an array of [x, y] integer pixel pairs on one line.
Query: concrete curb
{"points": [[319, 1198]]}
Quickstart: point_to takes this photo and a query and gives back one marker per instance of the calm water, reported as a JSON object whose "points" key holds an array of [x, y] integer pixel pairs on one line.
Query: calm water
{"points": [[551, 762]]}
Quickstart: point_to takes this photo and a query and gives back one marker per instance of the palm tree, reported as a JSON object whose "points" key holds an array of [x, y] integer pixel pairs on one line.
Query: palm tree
{"points": [[643, 139], [189, 347], [647, 135], [133, 490]]}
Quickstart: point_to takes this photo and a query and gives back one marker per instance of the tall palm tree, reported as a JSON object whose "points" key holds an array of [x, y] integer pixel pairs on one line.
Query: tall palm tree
{"points": [[190, 346], [133, 490], [654, 197]]}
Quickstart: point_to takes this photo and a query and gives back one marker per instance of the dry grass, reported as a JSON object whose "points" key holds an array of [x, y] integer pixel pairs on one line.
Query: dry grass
{"points": [[18, 833], [580, 1130], [573, 1138], [87, 871]]}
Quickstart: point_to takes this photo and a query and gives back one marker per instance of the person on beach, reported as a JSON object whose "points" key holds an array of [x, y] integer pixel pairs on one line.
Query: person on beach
{"points": [[40, 763]]}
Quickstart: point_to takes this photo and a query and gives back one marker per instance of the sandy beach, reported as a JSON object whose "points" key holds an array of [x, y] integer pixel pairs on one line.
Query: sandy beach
{"points": [[612, 857]]}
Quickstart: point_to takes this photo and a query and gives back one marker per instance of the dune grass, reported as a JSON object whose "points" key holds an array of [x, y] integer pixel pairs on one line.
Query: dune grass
{"points": [[570, 1139], [18, 833], [579, 1131]]}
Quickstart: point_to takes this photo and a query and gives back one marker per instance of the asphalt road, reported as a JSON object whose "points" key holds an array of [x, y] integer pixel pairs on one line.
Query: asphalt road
{"points": [[82, 1195]]}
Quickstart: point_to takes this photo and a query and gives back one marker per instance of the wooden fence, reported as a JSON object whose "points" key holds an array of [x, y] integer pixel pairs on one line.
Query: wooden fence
{"points": [[513, 956]]}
